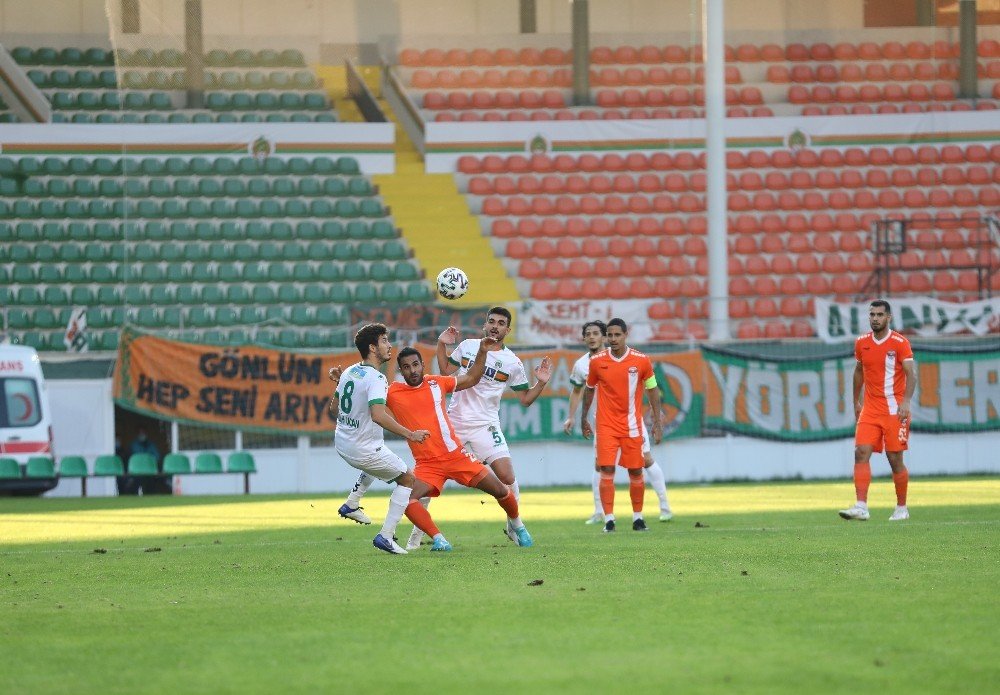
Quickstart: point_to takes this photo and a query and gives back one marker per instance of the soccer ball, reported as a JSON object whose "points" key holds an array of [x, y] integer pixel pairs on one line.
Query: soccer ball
{"points": [[452, 283]]}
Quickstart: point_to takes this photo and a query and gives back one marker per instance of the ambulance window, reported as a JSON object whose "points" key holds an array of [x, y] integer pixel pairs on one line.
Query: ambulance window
{"points": [[20, 403]]}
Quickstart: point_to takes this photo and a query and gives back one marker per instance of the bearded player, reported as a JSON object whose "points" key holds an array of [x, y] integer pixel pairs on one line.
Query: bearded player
{"points": [[885, 370], [618, 376], [594, 334], [418, 401], [475, 412]]}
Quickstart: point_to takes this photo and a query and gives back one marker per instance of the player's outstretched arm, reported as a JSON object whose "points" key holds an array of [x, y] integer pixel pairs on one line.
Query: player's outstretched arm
{"points": [[574, 402], [543, 372], [859, 382], [478, 366], [588, 399], [910, 369], [447, 339], [653, 396], [384, 419]]}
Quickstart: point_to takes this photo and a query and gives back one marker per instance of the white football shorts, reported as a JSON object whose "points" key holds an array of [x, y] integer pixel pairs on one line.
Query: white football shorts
{"points": [[486, 442], [383, 464]]}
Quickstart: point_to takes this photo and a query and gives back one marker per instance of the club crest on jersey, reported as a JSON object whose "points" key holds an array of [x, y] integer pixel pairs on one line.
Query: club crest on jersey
{"points": [[633, 370], [890, 353]]}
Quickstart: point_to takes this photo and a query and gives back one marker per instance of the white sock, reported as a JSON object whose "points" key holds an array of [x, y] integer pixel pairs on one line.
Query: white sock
{"points": [[636, 515], [516, 490], [398, 500], [609, 517], [515, 522], [417, 534], [358, 491], [656, 480], [862, 505], [595, 483], [438, 535]]}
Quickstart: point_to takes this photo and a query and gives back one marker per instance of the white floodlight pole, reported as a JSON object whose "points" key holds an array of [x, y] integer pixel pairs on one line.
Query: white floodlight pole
{"points": [[715, 156]]}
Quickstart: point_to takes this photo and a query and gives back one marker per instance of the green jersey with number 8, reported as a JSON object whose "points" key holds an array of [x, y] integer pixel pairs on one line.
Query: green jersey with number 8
{"points": [[357, 435]]}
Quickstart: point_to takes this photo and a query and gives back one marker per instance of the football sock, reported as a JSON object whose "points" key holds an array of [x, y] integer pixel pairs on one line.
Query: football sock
{"points": [[421, 518], [607, 493], [636, 515], [398, 500], [516, 490], [595, 483], [656, 480], [862, 479], [360, 488], [636, 491], [509, 505], [901, 481]]}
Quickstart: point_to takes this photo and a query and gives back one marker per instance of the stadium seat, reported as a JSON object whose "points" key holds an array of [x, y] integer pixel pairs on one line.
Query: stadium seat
{"points": [[208, 462], [40, 467]]}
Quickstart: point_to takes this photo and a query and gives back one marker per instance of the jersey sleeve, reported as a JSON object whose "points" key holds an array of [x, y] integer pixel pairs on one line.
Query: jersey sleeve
{"points": [[518, 377], [578, 377], [905, 351], [378, 390], [857, 349], [456, 355], [449, 383]]}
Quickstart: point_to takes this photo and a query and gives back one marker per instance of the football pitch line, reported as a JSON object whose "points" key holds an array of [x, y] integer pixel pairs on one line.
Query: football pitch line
{"points": [[60, 520]]}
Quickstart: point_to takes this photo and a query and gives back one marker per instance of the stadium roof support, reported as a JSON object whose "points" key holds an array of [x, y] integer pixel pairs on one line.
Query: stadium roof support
{"points": [[715, 155], [968, 87], [194, 50], [581, 52]]}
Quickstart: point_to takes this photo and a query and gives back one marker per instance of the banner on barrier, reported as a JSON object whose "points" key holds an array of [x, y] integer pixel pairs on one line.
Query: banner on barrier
{"points": [[702, 391], [560, 322], [924, 316]]}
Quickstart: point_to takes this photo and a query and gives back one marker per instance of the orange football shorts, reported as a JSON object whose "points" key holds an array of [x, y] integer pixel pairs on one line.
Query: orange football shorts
{"points": [[882, 431], [462, 467]]}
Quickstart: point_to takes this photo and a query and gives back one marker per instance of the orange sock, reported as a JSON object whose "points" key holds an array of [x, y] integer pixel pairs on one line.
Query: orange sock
{"points": [[637, 491], [901, 480], [509, 504], [608, 492], [421, 518], [862, 479]]}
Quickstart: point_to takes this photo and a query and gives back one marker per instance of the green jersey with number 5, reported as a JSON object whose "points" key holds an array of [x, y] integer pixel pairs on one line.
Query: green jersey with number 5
{"points": [[357, 435]]}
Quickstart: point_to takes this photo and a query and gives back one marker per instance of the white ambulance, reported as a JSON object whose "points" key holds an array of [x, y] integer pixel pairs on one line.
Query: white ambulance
{"points": [[25, 418]]}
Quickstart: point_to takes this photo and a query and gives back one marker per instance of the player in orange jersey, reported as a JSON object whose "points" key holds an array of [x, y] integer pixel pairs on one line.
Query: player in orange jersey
{"points": [[441, 457], [618, 376], [887, 372]]}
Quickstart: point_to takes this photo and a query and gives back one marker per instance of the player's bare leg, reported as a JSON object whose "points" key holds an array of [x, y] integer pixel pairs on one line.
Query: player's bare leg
{"points": [[901, 480], [656, 480], [862, 480], [595, 483], [508, 501]]}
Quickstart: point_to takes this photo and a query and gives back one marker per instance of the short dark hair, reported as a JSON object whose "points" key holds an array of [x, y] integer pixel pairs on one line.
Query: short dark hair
{"points": [[501, 311], [620, 323], [368, 336], [407, 352], [884, 304], [601, 326]]}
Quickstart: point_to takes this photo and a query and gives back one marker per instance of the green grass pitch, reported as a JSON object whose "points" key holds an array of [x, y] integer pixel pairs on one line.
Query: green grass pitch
{"points": [[771, 593]]}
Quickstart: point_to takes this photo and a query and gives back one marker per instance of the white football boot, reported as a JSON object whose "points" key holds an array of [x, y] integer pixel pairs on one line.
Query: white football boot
{"points": [[857, 513], [900, 514]]}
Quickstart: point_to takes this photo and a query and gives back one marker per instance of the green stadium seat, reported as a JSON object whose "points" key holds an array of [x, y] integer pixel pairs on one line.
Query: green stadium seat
{"points": [[303, 272], [226, 118], [208, 462], [73, 467], [262, 294], [278, 272], [142, 464], [365, 294], [328, 272], [44, 318], [304, 80], [40, 467], [335, 187], [108, 296], [393, 250], [107, 79], [383, 229], [348, 165], [392, 292], [369, 250], [241, 101], [39, 78], [24, 55], [9, 469], [292, 58], [160, 101], [289, 294], [327, 315], [325, 117], [360, 187], [61, 79], [418, 292], [157, 79], [75, 274], [202, 118], [199, 316], [379, 271], [242, 462], [134, 101], [98, 57], [341, 294], [162, 295], [88, 100], [254, 80], [302, 316], [176, 464], [49, 274], [86, 79], [315, 102], [370, 207], [109, 340], [290, 101], [229, 272], [281, 231], [169, 58], [405, 271]]}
